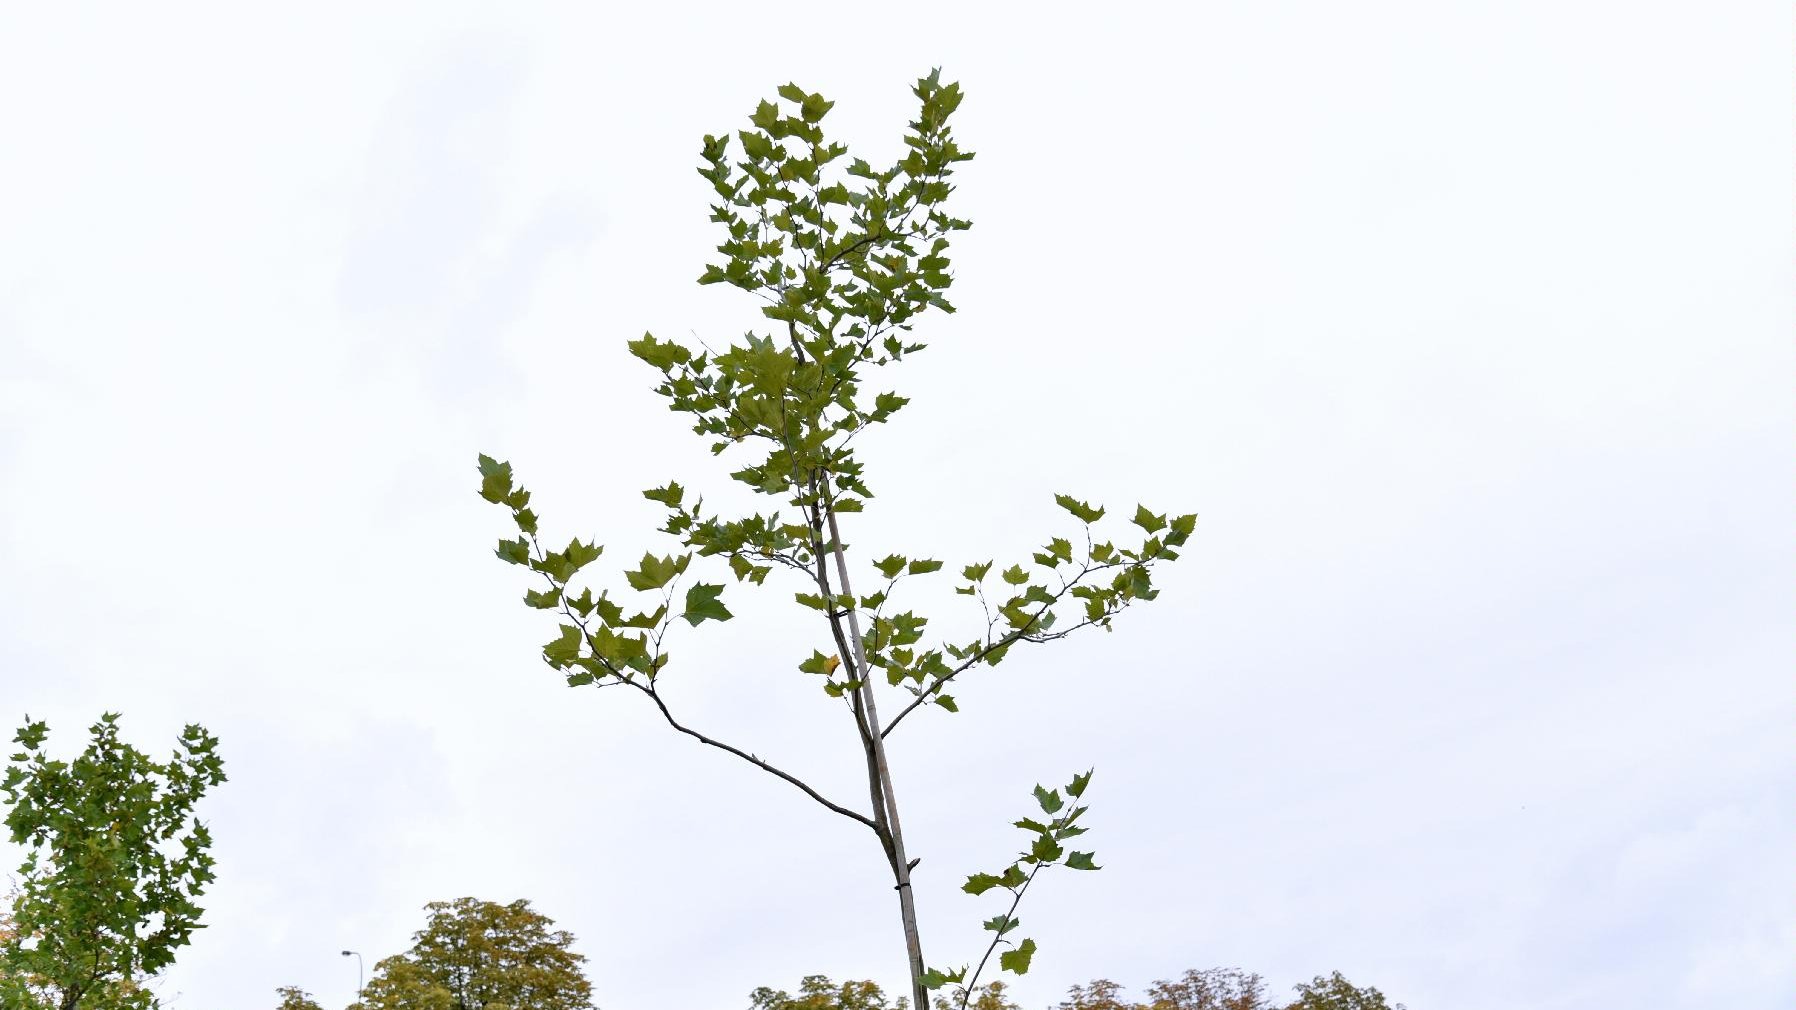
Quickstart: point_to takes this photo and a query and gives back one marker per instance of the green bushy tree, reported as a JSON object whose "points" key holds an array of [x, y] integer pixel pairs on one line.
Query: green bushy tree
{"points": [[1334, 992], [115, 865], [481, 955]]}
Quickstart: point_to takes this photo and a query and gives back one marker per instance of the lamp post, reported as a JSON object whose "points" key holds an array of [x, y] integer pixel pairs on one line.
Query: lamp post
{"points": [[358, 973]]}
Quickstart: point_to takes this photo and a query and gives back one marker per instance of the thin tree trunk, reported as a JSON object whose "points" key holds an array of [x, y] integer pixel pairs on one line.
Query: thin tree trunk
{"points": [[907, 906]]}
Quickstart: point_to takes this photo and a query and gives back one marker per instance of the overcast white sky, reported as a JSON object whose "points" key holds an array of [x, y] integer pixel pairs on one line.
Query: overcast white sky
{"points": [[1465, 328]]}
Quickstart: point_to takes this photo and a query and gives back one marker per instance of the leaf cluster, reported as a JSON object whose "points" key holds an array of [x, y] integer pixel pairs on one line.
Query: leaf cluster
{"points": [[599, 639], [844, 260]]}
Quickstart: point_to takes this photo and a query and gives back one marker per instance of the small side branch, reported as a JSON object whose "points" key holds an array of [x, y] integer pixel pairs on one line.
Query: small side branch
{"points": [[966, 991]]}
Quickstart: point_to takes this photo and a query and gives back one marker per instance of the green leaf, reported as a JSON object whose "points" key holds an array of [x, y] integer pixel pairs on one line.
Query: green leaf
{"points": [[1147, 520], [814, 108], [1082, 861], [947, 702], [702, 604], [935, 978], [495, 479], [973, 573], [979, 883], [515, 552], [1018, 960], [653, 572], [1182, 527], [644, 620], [1083, 512], [580, 555], [1044, 849], [890, 566], [564, 649], [819, 663], [582, 603], [609, 612], [812, 600], [1076, 788], [847, 505], [671, 495], [924, 567], [1049, 799], [1001, 924], [887, 404], [543, 601], [664, 355], [1015, 575]]}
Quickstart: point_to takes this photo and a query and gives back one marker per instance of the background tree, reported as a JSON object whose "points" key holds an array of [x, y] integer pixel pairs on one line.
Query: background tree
{"points": [[817, 992], [1211, 989], [1098, 994], [481, 955], [1336, 993], [400, 983], [115, 862], [991, 996], [844, 261], [295, 998]]}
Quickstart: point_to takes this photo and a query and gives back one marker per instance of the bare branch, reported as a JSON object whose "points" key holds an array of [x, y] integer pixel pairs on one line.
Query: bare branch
{"points": [[655, 696]]}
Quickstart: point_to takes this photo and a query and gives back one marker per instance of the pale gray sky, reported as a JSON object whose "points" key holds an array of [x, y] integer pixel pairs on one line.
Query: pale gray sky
{"points": [[1464, 327]]}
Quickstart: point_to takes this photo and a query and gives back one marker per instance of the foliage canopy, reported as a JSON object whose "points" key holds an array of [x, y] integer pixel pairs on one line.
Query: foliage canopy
{"points": [[481, 955]]}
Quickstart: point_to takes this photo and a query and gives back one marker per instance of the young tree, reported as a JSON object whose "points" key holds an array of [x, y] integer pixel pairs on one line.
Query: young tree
{"points": [[844, 262], [1336, 993], [115, 862], [295, 998], [481, 955]]}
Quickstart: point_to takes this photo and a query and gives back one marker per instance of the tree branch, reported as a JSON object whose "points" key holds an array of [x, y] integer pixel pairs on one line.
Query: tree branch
{"points": [[966, 990], [853, 815]]}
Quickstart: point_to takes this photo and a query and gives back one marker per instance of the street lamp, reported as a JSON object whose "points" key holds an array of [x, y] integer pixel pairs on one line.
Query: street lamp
{"points": [[358, 973]]}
